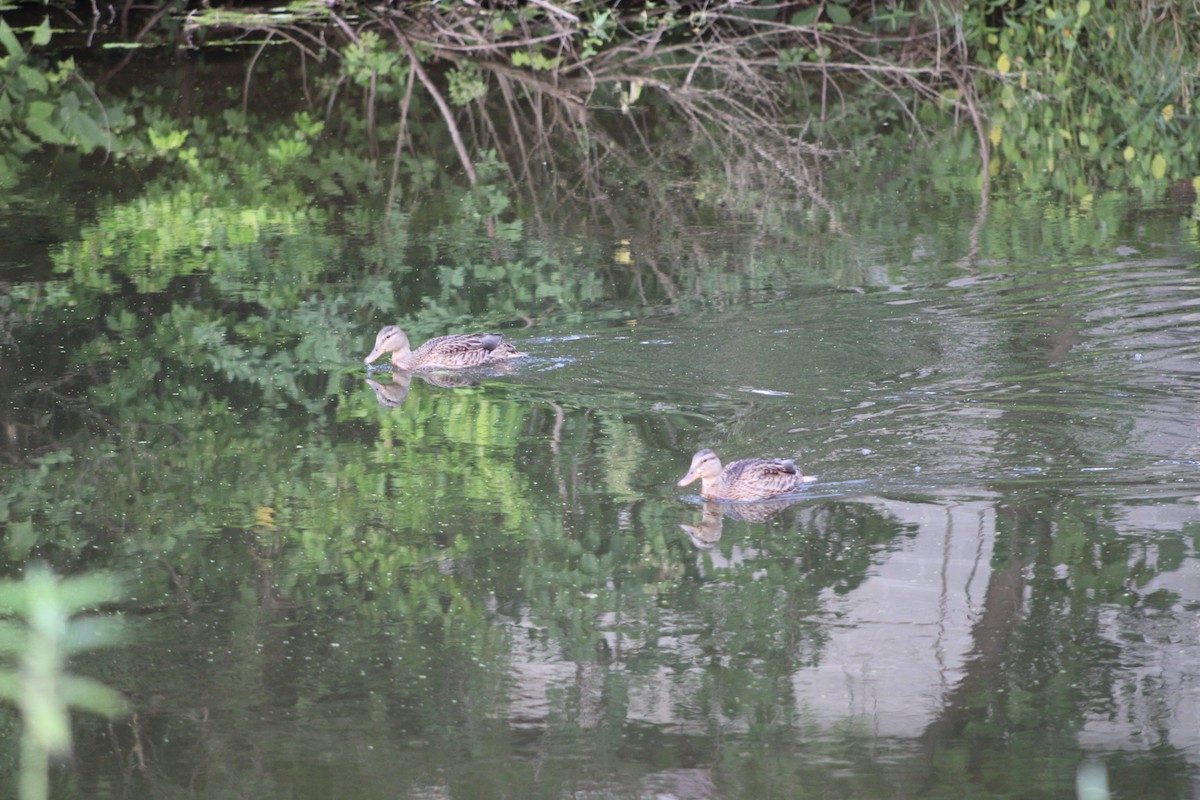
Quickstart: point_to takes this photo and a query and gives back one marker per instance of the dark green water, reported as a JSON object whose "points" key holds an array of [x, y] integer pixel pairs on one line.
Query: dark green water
{"points": [[484, 587]]}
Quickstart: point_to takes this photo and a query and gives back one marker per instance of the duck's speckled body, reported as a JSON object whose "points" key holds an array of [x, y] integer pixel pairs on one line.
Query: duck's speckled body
{"points": [[746, 480], [444, 352]]}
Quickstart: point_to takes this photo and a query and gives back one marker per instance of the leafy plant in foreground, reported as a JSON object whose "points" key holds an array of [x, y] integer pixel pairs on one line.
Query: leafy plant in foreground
{"points": [[42, 104], [40, 634]]}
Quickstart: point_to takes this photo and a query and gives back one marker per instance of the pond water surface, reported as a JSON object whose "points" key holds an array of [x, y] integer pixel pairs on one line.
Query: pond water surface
{"points": [[488, 584]]}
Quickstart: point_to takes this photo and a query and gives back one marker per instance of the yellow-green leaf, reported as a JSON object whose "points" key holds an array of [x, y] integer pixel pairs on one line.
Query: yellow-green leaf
{"points": [[41, 34], [1129, 153], [1003, 64], [1168, 112], [1083, 8], [1158, 166]]}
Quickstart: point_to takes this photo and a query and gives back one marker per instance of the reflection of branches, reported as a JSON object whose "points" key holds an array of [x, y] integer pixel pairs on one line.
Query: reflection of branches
{"points": [[444, 108], [150, 25]]}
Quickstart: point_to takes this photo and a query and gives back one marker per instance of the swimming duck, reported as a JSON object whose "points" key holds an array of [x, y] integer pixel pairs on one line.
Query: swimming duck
{"points": [[746, 480], [444, 352]]}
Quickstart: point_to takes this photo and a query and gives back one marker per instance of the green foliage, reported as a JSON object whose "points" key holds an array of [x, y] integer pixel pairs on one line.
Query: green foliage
{"points": [[536, 60], [370, 59], [466, 84], [44, 105], [1089, 94], [599, 31], [38, 630], [218, 442], [294, 147]]}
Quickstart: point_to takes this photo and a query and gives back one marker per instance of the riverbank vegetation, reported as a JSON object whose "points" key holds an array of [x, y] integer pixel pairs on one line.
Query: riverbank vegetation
{"points": [[182, 320], [706, 102]]}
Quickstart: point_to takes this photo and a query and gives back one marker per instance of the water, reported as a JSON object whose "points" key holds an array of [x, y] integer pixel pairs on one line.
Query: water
{"points": [[488, 584]]}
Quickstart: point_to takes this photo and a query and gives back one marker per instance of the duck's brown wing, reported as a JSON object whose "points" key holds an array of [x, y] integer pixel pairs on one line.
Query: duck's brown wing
{"points": [[760, 477], [460, 350]]}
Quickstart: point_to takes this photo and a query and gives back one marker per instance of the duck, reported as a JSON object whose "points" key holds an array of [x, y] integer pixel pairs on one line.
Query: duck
{"points": [[747, 480], [444, 352]]}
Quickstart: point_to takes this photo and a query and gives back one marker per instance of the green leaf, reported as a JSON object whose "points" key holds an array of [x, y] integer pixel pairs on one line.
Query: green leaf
{"points": [[88, 132], [47, 721], [34, 78], [40, 109], [41, 34], [87, 591], [9, 40], [45, 131], [802, 19], [93, 696], [839, 15]]}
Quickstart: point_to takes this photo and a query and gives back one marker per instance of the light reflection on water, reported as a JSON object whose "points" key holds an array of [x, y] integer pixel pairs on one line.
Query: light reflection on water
{"points": [[948, 423], [922, 418], [487, 584]]}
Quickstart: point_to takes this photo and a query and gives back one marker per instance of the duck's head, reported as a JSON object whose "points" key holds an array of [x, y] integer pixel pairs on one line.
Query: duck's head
{"points": [[390, 340], [705, 464]]}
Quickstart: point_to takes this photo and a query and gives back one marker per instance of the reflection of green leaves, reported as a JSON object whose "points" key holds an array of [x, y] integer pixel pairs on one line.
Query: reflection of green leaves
{"points": [[165, 141], [293, 146], [287, 151], [370, 59], [163, 236], [465, 83]]}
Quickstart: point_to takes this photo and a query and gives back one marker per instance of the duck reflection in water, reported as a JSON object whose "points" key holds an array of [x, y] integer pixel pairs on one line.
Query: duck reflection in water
{"points": [[707, 533], [393, 393]]}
